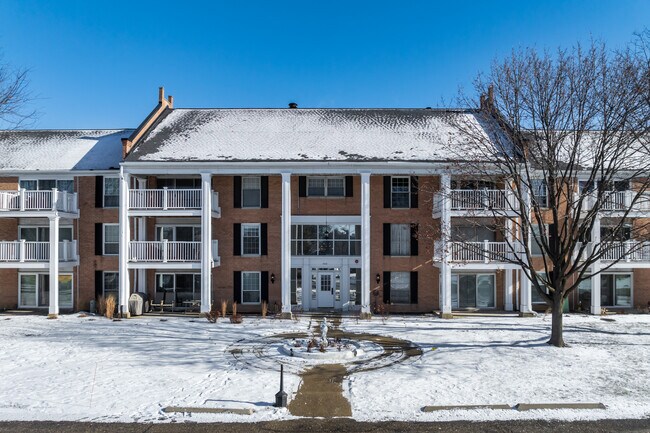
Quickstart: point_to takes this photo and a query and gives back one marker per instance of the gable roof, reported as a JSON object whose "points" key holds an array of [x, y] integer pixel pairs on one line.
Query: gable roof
{"points": [[306, 135], [61, 150]]}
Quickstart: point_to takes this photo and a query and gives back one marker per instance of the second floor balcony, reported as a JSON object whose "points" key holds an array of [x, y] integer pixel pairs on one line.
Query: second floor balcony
{"points": [[631, 253], [26, 254], [173, 254], [37, 203], [613, 202], [461, 253], [167, 200], [475, 202]]}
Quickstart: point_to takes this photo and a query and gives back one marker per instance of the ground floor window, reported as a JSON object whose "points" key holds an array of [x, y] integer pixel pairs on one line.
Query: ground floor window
{"points": [[250, 287], [34, 290], [400, 287], [180, 289], [355, 286], [296, 286], [111, 284], [473, 290], [615, 291]]}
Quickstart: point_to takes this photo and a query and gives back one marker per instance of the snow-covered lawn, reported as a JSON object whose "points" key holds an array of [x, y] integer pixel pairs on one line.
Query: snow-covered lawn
{"points": [[92, 369]]}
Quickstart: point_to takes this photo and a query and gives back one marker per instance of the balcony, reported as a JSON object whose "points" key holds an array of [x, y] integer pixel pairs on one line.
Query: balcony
{"points": [[627, 253], [24, 254], [476, 202], [143, 202], [486, 254], [169, 254], [24, 203], [620, 201]]}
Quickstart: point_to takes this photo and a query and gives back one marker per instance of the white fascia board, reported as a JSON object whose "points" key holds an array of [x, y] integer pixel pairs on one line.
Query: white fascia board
{"points": [[60, 174], [323, 219]]}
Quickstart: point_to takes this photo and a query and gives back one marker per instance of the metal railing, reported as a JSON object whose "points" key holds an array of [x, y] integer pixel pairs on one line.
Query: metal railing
{"points": [[25, 251], [164, 251], [165, 198], [50, 200]]}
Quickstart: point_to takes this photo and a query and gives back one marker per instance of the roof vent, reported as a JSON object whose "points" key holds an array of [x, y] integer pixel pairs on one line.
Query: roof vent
{"points": [[293, 105]]}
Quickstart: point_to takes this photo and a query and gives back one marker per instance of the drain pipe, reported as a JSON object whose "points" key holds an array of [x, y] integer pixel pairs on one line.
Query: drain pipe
{"points": [[281, 396]]}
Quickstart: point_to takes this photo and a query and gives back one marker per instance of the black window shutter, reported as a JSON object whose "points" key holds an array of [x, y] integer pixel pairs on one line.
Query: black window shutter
{"points": [[264, 250], [99, 191], [414, 239], [264, 286], [414, 287], [302, 186], [236, 284], [99, 283], [387, 188], [349, 190], [386, 239], [264, 183], [236, 193], [236, 240], [414, 192], [386, 287], [99, 239]]}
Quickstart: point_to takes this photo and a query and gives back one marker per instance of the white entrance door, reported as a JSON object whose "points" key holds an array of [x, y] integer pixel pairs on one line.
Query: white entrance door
{"points": [[325, 290]]}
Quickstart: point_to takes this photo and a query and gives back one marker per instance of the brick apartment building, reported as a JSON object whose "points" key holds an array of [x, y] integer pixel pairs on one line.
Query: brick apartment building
{"points": [[307, 209]]}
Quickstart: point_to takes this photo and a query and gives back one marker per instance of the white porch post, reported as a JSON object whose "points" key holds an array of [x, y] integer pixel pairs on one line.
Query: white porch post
{"points": [[595, 279], [525, 306], [142, 235], [125, 236], [54, 267], [508, 292], [206, 242], [445, 229], [365, 245], [285, 240]]}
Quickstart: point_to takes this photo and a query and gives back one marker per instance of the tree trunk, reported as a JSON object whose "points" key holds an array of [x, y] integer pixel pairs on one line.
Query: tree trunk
{"points": [[557, 339]]}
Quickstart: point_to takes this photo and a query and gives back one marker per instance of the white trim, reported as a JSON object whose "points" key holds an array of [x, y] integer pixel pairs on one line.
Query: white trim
{"points": [[117, 178], [71, 274], [259, 239], [259, 287], [259, 206], [104, 253], [326, 180], [476, 276], [326, 219], [408, 192], [117, 280]]}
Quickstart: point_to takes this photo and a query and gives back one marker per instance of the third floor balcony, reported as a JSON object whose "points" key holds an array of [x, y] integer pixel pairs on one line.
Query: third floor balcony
{"points": [[26, 203], [167, 201], [475, 202]]}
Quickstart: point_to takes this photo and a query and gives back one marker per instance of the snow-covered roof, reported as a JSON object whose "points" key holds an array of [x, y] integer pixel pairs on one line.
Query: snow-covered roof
{"points": [[307, 135], [61, 150]]}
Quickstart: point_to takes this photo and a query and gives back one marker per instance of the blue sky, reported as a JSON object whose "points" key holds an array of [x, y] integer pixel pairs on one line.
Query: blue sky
{"points": [[97, 64]]}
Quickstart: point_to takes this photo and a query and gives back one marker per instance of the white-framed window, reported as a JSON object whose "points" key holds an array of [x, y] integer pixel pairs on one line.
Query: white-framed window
{"points": [[400, 287], [251, 192], [535, 297], [400, 193], [34, 290], [42, 233], [111, 239], [111, 192], [473, 290], [66, 185], [251, 287], [535, 239], [325, 240], [179, 183], [616, 290], [181, 289], [250, 240], [400, 239], [325, 186], [111, 284], [296, 286], [539, 192], [178, 233]]}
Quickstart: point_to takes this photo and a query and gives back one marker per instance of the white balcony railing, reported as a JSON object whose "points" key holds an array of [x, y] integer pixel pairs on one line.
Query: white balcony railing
{"points": [[626, 251], [472, 200], [24, 251], [164, 251], [477, 252], [620, 201], [51, 200], [164, 199]]}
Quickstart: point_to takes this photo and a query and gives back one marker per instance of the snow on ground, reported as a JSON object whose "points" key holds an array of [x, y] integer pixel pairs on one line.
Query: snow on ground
{"points": [[92, 369]]}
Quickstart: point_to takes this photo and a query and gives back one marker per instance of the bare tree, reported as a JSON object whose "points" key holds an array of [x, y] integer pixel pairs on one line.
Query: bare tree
{"points": [[14, 97], [572, 148]]}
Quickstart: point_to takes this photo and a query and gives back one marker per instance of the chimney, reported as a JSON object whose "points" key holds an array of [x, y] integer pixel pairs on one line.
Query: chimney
{"points": [[483, 104], [490, 96], [293, 105], [170, 100]]}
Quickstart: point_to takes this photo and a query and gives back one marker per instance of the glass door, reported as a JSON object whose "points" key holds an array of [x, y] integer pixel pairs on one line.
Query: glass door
{"points": [[325, 290]]}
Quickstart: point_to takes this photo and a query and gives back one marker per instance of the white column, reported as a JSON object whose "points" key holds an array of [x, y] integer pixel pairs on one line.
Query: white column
{"points": [[508, 289], [525, 306], [445, 230], [125, 237], [206, 242], [142, 235], [365, 244], [595, 279], [285, 250], [54, 266], [345, 287]]}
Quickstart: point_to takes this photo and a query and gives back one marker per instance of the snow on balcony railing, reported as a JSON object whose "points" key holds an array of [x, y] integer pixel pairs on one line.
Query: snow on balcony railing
{"points": [[627, 251], [475, 200], [24, 251], [164, 251], [473, 252], [163, 199], [51, 200]]}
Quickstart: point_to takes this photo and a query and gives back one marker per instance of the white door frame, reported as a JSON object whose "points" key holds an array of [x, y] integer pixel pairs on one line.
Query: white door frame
{"points": [[323, 298]]}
